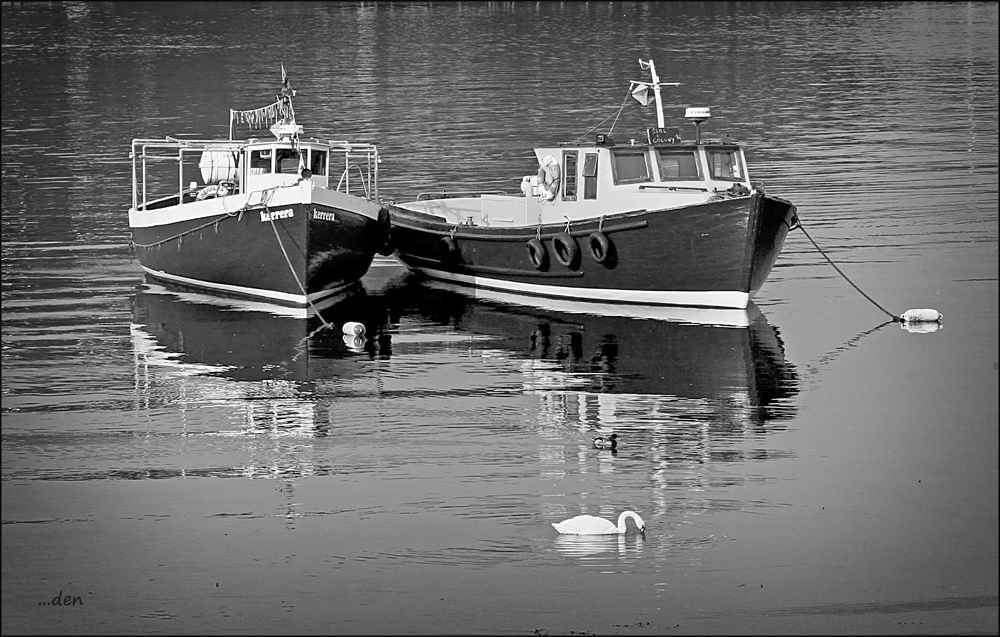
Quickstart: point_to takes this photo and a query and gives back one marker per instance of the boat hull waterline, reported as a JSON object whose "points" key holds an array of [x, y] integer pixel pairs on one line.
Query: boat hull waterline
{"points": [[715, 254], [272, 252]]}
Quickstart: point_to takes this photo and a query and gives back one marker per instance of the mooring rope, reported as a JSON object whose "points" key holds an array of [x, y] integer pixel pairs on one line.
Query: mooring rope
{"points": [[291, 269], [895, 319]]}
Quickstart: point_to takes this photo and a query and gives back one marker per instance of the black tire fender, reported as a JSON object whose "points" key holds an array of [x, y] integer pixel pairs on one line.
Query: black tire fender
{"points": [[600, 246], [565, 248], [537, 253]]}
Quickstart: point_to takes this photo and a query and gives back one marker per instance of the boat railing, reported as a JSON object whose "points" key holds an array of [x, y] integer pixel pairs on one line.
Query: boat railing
{"points": [[361, 158], [154, 151], [358, 167], [454, 194], [673, 188]]}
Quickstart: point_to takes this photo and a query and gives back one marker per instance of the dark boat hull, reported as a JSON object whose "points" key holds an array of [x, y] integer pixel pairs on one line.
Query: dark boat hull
{"points": [[294, 254], [715, 254]]}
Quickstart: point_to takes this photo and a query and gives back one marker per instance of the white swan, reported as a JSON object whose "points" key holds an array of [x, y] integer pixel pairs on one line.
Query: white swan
{"points": [[592, 525]]}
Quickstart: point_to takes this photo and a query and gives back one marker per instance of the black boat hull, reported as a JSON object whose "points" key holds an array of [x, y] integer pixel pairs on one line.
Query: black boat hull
{"points": [[714, 254]]}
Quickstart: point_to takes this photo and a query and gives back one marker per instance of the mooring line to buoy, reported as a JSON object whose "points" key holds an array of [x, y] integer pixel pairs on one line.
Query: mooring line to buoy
{"points": [[291, 269], [895, 319], [302, 347]]}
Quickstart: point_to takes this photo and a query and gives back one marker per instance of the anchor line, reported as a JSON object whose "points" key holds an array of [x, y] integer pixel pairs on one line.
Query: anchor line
{"points": [[895, 319], [302, 347], [291, 269]]}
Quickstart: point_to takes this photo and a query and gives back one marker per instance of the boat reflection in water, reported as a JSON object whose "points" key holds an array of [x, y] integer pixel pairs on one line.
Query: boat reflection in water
{"points": [[682, 385], [247, 371], [604, 366], [242, 340]]}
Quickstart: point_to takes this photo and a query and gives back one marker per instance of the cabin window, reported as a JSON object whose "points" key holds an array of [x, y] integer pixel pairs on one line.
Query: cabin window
{"points": [[318, 162], [590, 176], [260, 162], [570, 159], [630, 166], [286, 161], [677, 165], [725, 164]]}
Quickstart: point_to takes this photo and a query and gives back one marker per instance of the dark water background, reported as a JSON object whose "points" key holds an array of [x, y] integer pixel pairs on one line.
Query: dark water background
{"points": [[184, 468]]}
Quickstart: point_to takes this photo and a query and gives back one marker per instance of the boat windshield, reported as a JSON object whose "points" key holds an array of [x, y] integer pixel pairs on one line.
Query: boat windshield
{"points": [[318, 162], [725, 164], [260, 162], [679, 165], [286, 160], [630, 166]]}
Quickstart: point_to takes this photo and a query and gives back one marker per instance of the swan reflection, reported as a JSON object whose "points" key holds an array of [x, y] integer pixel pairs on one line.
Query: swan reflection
{"points": [[599, 545]]}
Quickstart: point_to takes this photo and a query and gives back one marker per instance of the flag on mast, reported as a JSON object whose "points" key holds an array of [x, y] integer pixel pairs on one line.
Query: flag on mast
{"points": [[286, 87]]}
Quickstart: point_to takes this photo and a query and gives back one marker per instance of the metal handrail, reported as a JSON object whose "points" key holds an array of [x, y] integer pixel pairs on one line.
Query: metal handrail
{"points": [[457, 193]]}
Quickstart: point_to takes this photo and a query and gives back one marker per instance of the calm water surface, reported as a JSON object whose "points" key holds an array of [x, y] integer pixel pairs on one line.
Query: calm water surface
{"points": [[182, 465]]}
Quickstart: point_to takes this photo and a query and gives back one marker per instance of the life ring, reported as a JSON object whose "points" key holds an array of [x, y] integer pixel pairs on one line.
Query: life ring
{"points": [[565, 248], [600, 246], [211, 191], [548, 178], [538, 254]]}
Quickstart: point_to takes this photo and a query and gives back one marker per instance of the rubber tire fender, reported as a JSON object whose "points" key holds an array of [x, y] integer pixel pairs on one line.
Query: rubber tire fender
{"points": [[537, 253], [600, 246], [565, 248]]}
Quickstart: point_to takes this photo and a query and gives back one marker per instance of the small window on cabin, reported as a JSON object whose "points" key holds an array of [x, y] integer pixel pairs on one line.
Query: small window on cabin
{"points": [[570, 159], [630, 167], [678, 165], [286, 161], [590, 176], [725, 165], [318, 164], [260, 162]]}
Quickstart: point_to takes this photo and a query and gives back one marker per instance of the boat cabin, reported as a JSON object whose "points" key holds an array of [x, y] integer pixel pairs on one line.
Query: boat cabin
{"points": [[196, 170], [576, 182], [588, 181], [591, 177]]}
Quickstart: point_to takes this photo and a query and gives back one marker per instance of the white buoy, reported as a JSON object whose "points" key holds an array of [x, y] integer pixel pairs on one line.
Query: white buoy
{"points": [[356, 343], [921, 316], [354, 328]]}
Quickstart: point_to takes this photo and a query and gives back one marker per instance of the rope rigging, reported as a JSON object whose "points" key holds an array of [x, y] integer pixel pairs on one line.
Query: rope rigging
{"points": [[895, 319]]}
